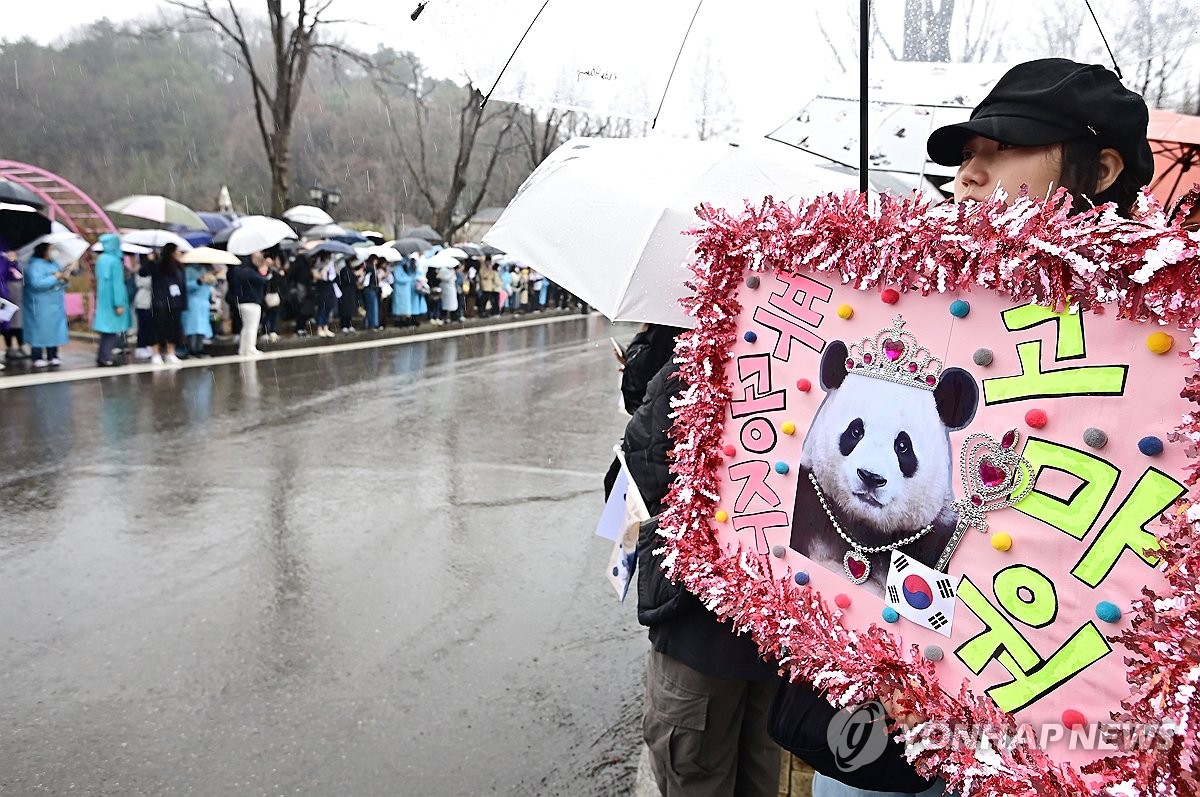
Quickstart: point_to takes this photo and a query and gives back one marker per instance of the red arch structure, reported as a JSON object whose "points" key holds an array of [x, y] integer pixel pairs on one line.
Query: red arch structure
{"points": [[65, 203]]}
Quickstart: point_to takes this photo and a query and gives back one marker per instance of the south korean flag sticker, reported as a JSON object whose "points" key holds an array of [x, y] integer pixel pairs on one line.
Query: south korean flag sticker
{"points": [[920, 593]]}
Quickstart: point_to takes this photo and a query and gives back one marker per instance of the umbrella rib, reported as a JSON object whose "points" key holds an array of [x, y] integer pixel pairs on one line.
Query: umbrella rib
{"points": [[513, 54], [675, 65]]}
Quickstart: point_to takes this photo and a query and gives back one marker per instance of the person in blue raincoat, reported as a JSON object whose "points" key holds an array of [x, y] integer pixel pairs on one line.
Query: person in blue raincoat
{"points": [[45, 307], [197, 318], [112, 299], [402, 293]]}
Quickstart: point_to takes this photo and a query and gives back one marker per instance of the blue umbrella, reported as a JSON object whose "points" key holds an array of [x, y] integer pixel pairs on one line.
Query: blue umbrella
{"points": [[333, 247]]}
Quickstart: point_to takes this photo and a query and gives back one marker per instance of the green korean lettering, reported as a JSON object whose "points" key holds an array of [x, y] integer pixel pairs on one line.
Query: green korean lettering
{"points": [[1078, 513]]}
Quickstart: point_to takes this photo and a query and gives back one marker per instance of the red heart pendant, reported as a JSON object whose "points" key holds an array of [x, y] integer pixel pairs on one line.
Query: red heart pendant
{"points": [[857, 566]]}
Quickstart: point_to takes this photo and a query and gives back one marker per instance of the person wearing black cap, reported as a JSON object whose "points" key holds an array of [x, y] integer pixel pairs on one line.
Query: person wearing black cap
{"points": [[1048, 124]]}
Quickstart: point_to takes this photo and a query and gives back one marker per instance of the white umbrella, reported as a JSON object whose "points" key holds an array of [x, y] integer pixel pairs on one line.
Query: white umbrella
{"points": [[126, 248], [439, 260], [388, 254], [157, 208], [256, 233], [307, 214], [155, 239], [65, 247], [605, 218], [454, 251], [207, 256], [326, 230]]}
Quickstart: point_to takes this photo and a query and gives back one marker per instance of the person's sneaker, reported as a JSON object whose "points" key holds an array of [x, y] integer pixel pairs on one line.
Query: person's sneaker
{"points": [[55, 362], [156, 360], [142, 353], [256, 353], [273, 337], [40, 363], [172, 359]]}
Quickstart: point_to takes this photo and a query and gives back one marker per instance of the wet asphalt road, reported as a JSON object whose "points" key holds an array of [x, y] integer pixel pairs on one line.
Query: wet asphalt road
{"points": [[367, 572]]}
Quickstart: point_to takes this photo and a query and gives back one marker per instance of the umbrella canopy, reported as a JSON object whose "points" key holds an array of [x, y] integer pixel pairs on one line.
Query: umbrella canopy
{"points": [[206, 255], [386, 252], [158, 209], [17, 194], [440, 259], [256, 233], [333, 247], [155, 239], [472, 250], [1175, 142], [491, 251], [307, 214], [410, 246], [605, 218], [456, 252], [20, 224], [374, 236], [425, 233], [215, 222], [126, 248], [65, 247], [327, 230]]}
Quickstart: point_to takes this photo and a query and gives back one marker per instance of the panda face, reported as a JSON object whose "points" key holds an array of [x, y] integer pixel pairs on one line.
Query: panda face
{"points": [[881, 454]]}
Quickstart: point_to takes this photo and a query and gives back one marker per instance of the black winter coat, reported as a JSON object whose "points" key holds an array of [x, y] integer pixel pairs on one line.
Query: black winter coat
{"points": [[680, 626]]}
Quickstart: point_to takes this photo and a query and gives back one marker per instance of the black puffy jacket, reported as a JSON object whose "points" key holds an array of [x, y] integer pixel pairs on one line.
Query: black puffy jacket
{"points": [[680, 626]]}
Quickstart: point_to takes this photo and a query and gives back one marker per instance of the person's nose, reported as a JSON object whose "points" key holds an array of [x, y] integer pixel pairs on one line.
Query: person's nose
{"points": [[973, 174]]}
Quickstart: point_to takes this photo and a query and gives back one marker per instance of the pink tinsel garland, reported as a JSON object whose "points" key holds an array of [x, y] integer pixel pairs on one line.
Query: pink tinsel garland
{"points": [[1146, 268]]}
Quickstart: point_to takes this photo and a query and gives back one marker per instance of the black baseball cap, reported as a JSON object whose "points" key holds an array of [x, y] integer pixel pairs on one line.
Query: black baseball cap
{"points": [[1052, 100]]}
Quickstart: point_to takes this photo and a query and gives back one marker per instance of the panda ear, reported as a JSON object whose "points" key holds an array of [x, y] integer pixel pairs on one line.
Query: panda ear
{"points": [[957, 398], [833, 365]]}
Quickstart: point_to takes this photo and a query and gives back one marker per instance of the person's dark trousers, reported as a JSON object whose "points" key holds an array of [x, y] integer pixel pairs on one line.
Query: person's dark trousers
{"points": [[108, 342], [235, 318], [271, 320], [145, 330], [195, 345], [493, 299], [47, 353]]}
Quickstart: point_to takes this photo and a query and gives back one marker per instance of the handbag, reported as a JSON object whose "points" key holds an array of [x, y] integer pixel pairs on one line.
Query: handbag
{"points": [[804, 723], [271, 299]]}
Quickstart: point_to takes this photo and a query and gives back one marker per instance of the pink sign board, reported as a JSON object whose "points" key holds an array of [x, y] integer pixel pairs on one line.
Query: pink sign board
{"points": [[972, 481]]}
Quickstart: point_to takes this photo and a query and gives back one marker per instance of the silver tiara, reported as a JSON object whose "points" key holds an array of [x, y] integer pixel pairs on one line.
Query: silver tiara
{"points": [[896, 356]]}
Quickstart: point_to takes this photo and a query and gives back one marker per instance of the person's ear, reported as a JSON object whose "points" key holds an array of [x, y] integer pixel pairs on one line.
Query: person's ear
{"points": [[1111, 166]]}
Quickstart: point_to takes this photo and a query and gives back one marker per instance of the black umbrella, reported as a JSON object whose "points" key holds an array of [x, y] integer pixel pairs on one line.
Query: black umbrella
{"points": [[221, 238], [18, 194], [20, 225], [425, 233], [410, 246], [491, 251], [472, 250]]}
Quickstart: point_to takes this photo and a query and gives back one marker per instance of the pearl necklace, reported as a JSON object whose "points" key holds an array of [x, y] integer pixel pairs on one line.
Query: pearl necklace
{"points": [[855, 563]]}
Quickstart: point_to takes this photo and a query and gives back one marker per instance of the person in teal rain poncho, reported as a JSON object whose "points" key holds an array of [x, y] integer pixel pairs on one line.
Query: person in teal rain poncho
{"points": [[45, 307], [197, 318], [112, 299]]}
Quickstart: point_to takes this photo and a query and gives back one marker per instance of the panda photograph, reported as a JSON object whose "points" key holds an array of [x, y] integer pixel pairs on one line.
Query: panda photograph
{"points": [[876, 465]]}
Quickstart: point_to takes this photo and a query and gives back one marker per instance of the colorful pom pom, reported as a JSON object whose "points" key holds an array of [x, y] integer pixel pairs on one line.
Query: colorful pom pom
{"points": [[728, 451], [803, 385], [960, 309], [750, 336], [982, 357], [1150, 445], [1108, 612], [787, 427], [890, 296], [801, 577], [781, 467], [721, 516], [778, 551], [1036, 418], [1073, 719], [752, 282], [842, 600], [1160, 342], [933, 653], [890, 615], [1001, 541], [1095, 438], [845, 311]]}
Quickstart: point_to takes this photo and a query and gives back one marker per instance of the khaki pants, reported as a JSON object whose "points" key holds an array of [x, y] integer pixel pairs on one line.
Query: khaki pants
{"points": [[708, 736]]}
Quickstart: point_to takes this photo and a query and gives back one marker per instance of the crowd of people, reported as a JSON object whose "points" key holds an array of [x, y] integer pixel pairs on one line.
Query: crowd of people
{"points": [[155, 307]]}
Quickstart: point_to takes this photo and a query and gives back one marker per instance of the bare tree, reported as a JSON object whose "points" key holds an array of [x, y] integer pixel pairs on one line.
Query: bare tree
{"points": [[714, 110], [277, 79], [927, 30], [444, 186]]}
